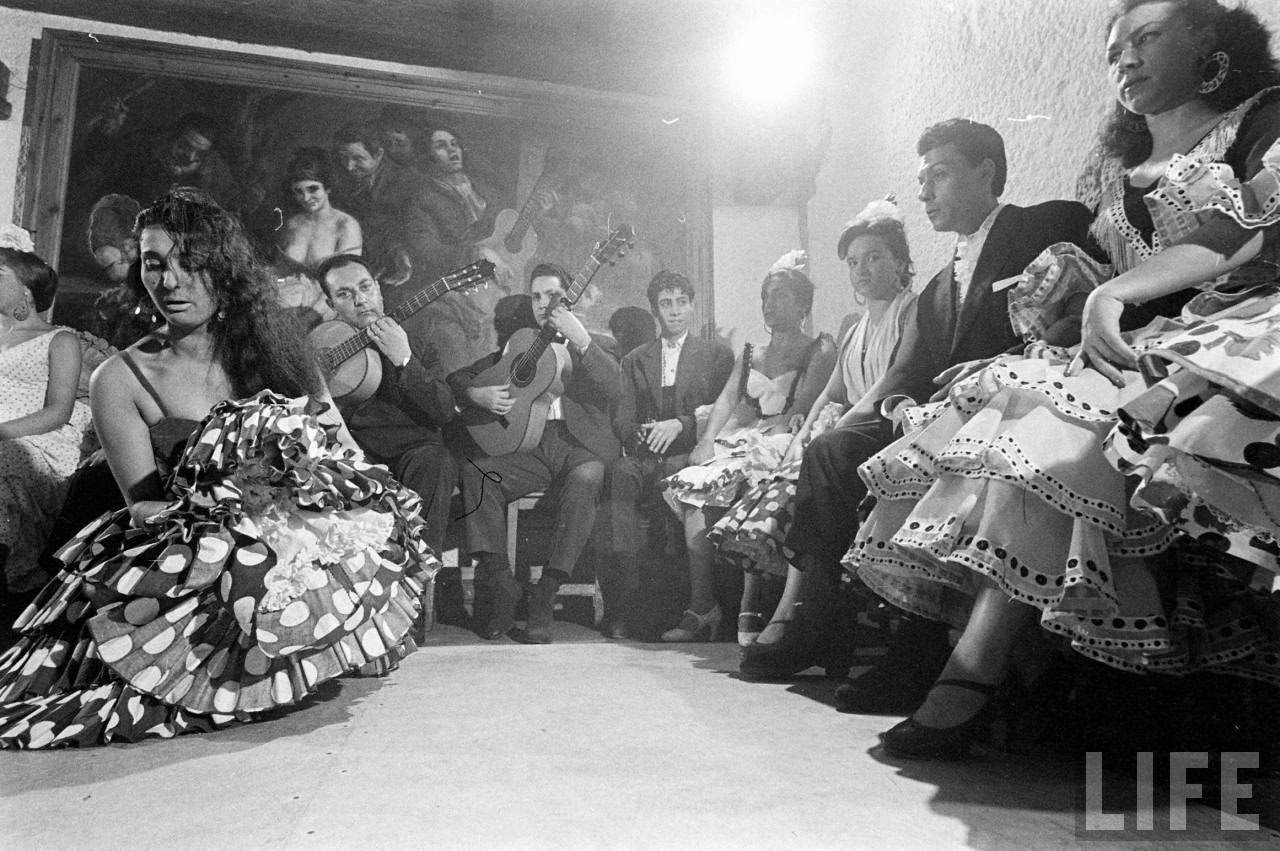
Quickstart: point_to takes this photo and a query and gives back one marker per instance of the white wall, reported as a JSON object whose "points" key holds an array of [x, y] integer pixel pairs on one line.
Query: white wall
{"points": [[891, 67]]}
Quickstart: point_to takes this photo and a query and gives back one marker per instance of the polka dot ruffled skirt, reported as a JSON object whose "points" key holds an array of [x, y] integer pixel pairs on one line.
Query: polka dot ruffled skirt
{"points": [[281, 562]]}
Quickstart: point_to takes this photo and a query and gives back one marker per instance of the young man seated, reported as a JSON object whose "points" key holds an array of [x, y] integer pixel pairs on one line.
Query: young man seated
{"points": [[569, 461], [663, 383], [399, 425]]}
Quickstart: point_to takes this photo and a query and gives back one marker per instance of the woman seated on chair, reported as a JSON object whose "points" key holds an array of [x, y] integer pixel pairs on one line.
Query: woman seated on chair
{"points": [[258, 555], [765, 399], [42, 424], [874, 245]]}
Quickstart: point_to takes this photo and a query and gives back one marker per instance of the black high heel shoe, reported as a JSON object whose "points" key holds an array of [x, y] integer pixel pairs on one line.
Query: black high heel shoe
{"points": [[809, 641], [910, 739]]}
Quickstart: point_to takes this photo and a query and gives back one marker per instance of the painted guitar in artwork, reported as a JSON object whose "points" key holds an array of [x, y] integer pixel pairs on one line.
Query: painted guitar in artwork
{"points": [[533, 369], [513, 242], [351, 366]]}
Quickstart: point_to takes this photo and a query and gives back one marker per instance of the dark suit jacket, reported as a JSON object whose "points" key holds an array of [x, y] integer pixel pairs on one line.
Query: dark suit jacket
{"points": [[700, 374], [450, 235], [408, 409], [940, 339], [589, 394]]}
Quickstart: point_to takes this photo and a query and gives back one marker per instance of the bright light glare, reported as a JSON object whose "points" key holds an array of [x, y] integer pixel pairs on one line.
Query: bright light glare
{"points": [[771, 58]]}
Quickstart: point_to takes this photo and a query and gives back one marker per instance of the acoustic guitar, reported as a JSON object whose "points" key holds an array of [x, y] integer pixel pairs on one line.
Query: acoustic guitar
{"points": [[351, 366], [533, 369], [512, 242]]}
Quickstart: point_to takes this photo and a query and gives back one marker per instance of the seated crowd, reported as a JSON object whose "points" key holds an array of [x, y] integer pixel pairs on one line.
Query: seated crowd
{"points": [[1070, 431]]}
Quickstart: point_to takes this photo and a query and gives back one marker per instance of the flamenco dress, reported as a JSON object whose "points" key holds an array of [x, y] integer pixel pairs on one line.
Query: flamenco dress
{"points": [[753, 533], [282, 560], [748, 451], [35, 469], [1140, 521]]}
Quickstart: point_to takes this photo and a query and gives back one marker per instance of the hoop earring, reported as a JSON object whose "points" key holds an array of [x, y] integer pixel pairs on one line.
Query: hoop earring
{"points": [[1213, 83]]}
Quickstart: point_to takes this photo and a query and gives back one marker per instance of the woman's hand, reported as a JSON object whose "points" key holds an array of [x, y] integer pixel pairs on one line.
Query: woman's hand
{"points": [[701, 454], [953, 375], [1101, 345], [144, 509]]}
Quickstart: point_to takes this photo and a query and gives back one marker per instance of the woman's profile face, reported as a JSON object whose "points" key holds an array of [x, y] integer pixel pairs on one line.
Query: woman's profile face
{"points": [[873, 270], [183, 296], [113, 262], [12, 293], [1155, 59], [781, 305], [310, 195]]}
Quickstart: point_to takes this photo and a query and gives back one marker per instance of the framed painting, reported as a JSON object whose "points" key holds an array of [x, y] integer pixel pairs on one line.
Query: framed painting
{"points": [[539, 172]]}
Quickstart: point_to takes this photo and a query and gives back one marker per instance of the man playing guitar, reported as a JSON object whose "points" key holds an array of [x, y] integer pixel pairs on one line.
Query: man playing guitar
{"points": [[399, 425], [569, 461]]}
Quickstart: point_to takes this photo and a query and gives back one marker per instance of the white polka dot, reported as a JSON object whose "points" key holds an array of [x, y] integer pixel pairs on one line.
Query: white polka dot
{"points": [[115, 649], [256, 662], [290, 650], [266, 637], [181, 610], [180, 689], [34, 661], [281, 688], [327, 623], [355, 619], [309, 671], [160, 641], [226, 697], [173, 563], [361, 588], [129, 580], [344, 601], [69, 731], [41, 734], [250, 557], [194, 624], [294, 613], [212, 550], [316, 579], [224, 586], [243, 609], [372, 642], [148, 678], [134, 705]]}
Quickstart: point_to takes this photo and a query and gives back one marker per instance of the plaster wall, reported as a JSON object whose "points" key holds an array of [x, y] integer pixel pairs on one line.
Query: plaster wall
{"points": [[1031, 68]]}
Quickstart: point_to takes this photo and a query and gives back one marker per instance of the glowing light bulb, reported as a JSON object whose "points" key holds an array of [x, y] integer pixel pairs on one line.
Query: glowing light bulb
{"points": [[771, 59]]}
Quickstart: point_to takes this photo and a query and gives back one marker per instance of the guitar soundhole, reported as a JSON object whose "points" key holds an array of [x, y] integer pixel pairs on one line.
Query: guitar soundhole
{"points": [[522, 374]]}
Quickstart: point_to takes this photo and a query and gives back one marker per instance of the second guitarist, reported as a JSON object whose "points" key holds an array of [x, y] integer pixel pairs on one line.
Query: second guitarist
{"points": [[568, 462]]}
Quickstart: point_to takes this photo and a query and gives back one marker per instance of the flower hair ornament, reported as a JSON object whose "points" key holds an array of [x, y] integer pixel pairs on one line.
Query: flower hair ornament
{"points": [[12, 236], [878, 212], [796, 260]]}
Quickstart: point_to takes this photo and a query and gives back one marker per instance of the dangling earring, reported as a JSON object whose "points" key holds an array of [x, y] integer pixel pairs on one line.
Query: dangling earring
{"points": [[21, 312], [1224, 62]]}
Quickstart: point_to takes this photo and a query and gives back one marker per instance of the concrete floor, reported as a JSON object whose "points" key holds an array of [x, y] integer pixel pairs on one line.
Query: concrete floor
{"points": [[583, 743]]}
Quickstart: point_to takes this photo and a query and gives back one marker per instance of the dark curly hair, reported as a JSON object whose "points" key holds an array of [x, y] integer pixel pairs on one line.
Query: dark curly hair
{"points": [[307, 164], [666, 280], [1252, 67], [34, 274], [255, 342]]}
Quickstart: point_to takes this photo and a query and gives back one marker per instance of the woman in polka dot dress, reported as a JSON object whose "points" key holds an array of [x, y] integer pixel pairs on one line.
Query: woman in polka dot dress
{"points": [[1124, 493], [258, 556]]}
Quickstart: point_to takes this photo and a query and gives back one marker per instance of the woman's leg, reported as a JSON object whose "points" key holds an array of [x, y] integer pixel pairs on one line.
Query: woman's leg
{"points": [[702, 591], [783, 614], [750, 592], [981, 656]]}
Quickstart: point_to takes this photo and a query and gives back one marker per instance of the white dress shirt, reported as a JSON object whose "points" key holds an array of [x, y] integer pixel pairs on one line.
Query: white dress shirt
{"points": [[671, 358], [968, 250]]}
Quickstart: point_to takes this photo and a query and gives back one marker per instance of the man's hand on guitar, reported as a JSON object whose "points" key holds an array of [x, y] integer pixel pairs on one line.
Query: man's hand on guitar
{"points": [[391, 340], [494, 398], [563, 320], [661, 434]]}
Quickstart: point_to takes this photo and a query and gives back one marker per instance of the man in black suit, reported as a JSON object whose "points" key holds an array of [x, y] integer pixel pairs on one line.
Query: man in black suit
{"points": [[663, 382], [399, 425], [960, 317], [570, 459]]}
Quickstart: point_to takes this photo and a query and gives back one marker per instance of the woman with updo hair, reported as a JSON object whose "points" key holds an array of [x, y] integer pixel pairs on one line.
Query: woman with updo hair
{"points": [[874, 247], [42, 423], [765, 399]]}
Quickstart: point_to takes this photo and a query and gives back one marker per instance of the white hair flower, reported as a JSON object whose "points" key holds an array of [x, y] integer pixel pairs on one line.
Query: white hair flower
{"points": [[877, 211], [796, 260], [12, 236]]}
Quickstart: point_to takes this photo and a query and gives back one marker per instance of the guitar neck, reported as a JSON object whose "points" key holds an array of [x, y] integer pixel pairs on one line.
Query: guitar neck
{"points": [[524, 218]]}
